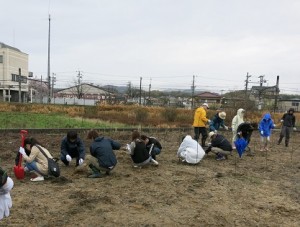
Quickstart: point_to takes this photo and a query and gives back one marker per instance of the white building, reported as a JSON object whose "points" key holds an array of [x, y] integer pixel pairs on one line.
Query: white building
{"points": [[13, 63]]}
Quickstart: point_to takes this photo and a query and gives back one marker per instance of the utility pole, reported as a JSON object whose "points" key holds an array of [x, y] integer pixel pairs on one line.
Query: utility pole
{"points": [[79, 88], [48, 71], [53, 83], [246, 88], [150, 91], [20, 91], [193, 91], [140, 102], [276, 94]]}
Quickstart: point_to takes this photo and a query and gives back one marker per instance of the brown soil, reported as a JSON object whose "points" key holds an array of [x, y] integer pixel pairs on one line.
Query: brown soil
{"points": [[259, 190]]}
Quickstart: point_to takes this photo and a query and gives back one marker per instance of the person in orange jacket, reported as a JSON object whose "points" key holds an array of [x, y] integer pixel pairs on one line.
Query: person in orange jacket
{"points": [[199, 124]]}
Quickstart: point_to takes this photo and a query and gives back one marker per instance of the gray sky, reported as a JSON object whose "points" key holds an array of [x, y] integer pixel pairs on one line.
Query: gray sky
{"points": [[165, 42]]}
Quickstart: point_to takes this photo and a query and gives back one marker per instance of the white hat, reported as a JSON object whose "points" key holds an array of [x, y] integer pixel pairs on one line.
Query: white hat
{"points": [[205, 104], [211, 134], [222, 115]]}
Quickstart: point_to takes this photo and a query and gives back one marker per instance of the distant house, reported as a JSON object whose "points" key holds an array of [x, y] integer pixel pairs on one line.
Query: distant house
{"points": [[213, 99], [286, 104], [84, 94]]}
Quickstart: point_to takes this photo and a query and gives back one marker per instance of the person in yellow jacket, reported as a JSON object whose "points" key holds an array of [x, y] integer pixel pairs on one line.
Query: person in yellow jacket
{"points": [[200, 121]]}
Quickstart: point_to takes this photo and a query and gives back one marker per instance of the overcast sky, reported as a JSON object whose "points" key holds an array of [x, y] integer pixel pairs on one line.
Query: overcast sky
{"points": [[165, 42]]}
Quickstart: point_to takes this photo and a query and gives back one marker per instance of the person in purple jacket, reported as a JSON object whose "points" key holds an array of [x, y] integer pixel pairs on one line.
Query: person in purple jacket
{"points": [[265, 129]]}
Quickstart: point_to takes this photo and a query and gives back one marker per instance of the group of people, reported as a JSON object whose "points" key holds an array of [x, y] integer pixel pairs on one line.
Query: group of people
{"points": [[219, 144], [143, 149], [102, 159]]}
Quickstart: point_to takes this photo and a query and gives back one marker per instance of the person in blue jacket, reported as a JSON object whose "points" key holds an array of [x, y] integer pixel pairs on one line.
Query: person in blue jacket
{"points": [[102, 157], [265, 129], [72, 147], [218, 121]]}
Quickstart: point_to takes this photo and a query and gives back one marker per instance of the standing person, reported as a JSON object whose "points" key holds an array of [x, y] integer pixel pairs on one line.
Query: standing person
{"points": [[219, 145], [72, 147], [288, 124], [218, 121], [156, 149], [265, 128], [236, 121], [190, 151], [36, 162], [199, 123], [138, 151], [6, 184], [102, 157]]}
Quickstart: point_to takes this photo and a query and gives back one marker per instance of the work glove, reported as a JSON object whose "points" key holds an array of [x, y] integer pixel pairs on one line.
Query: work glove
{"points": [[281, 120], [69, 158], [226, 128], [22, 151], [208, 121], [295, 129], [80, 161], [261, 132]]}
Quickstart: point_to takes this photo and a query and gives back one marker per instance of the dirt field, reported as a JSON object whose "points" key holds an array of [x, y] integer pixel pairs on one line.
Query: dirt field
{"points": [[259, 190]]}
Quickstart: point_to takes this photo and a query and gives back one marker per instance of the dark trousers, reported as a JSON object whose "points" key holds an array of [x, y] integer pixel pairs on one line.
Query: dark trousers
{"points": [[203, 132], [285, 132]]}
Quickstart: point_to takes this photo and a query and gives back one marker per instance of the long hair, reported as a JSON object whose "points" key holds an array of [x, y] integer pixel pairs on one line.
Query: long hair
{"points": [[31, 141]]}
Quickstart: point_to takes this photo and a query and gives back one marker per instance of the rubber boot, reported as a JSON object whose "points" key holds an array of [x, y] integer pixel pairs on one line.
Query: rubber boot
{"points": [[96, 173]]}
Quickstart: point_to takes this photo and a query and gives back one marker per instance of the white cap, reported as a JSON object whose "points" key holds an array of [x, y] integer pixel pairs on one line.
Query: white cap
{"points": [[205, 104], [211, 134]]}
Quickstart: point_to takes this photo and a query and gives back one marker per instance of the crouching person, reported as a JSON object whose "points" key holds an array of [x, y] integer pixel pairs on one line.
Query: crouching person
{"points": [[6, 184], [190, 151], [102, 157], [36, 162], [139, 153], [219, 145]]}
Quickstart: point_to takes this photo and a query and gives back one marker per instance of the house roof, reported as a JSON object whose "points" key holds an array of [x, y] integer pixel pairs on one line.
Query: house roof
{"points": [[209, 95], [86, 88]]}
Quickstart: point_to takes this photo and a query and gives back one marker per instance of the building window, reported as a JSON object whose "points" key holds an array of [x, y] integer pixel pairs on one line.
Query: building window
{"points": [[15, 77], [295, 103], [1, 58]]}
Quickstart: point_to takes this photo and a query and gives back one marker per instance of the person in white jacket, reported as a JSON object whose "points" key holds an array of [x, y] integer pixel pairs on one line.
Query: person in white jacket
{"points": [[236, 121], [6, 185], [190, 151]]}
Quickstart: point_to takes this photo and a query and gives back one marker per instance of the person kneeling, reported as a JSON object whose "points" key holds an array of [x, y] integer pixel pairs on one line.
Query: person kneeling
{"points": [[219, 145], [102, 157], [138, 151]]}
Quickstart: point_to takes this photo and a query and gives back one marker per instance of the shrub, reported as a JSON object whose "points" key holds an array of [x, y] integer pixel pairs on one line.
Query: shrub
{"points": [[169, 114]]}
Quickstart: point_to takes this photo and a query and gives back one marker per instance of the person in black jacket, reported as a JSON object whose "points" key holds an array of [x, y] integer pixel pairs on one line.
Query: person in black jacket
{"points": [[72, 147], [288, 124], [156, 149], [139, 153], [102, 157], [219, 145]]}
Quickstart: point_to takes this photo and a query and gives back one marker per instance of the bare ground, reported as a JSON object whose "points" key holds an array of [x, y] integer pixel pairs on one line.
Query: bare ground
{"points": [[259, 190]]}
